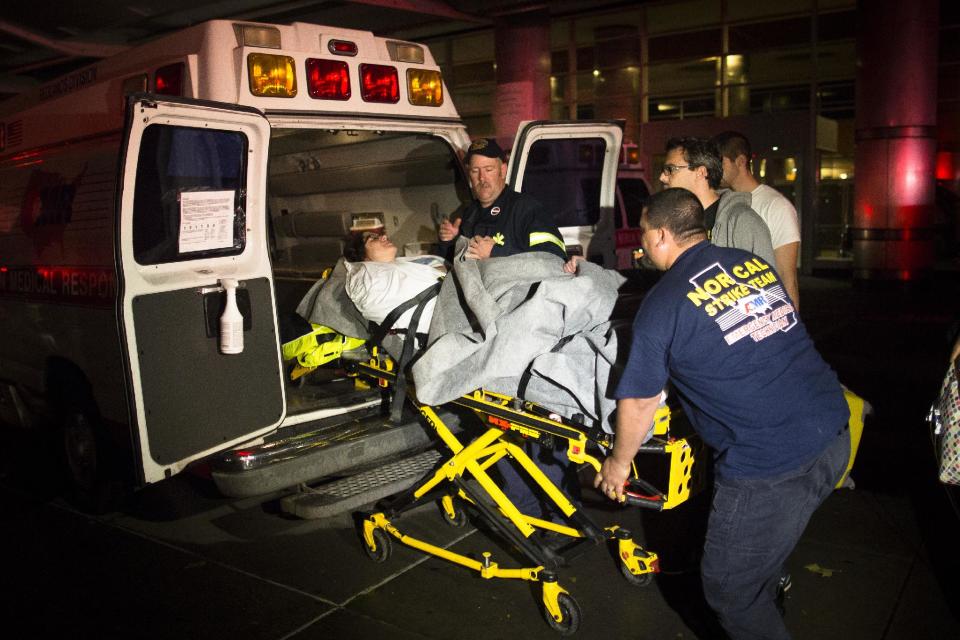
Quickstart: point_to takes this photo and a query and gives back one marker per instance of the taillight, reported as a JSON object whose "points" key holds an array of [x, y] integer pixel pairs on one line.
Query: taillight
{"points": [[342, 47], [271, 75], [379, 83], [328, 79], [424, 87], [168, 80]]}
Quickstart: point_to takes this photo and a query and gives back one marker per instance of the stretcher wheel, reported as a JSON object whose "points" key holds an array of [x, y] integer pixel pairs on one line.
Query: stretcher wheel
{"points": [[571, 615], [384, 546], [641, 580], [459, 518]]}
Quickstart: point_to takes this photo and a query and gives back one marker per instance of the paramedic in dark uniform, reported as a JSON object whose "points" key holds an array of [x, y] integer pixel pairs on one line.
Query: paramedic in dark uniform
{"points": [[720, 326], [501, 222]]}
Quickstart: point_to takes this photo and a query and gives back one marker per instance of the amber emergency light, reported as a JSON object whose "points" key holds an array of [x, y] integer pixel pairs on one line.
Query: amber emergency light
{"points": [[271, 75], [425, 87]]}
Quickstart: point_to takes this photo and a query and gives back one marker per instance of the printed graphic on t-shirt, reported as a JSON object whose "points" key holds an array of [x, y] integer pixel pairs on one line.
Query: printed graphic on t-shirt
{"points": [[746, 300]]}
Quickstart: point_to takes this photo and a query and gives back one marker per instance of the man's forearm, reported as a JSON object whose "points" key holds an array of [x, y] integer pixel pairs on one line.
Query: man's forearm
{"points": [[634, 420], [786, 256]]}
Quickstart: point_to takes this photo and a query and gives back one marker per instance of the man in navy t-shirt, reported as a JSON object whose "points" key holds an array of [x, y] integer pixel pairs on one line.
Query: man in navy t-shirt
{"points": [[721, 328]]}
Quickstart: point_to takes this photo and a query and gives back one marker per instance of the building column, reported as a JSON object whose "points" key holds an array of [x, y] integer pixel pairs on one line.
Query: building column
{"points": [[522, 54], [896, 117]]}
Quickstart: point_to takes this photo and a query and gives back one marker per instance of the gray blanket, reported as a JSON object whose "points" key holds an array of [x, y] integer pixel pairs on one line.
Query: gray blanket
{"points": [[327, 303], [494, 318]]}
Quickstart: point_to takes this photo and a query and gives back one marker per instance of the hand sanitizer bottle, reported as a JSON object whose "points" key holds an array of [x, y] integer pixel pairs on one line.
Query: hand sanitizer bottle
{"points": [[231, 322]]}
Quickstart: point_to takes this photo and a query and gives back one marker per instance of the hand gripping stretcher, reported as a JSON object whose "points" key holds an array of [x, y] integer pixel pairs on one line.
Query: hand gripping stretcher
{"points": [[463, 480]]}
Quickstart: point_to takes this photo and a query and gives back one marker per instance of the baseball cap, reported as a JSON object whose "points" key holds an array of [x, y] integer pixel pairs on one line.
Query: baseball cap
{"points": [[486, 147]]}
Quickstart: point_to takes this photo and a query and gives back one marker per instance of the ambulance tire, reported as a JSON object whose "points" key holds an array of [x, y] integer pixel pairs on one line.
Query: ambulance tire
{"points": [[95, 482]]}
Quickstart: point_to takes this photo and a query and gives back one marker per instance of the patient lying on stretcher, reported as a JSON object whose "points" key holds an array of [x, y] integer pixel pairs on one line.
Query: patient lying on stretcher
{"points": [[378, 281], [518, 325]]}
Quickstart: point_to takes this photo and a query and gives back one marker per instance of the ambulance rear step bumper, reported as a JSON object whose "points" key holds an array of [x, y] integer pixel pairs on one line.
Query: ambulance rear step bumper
{"points": [[355, 491], [336, 446]]}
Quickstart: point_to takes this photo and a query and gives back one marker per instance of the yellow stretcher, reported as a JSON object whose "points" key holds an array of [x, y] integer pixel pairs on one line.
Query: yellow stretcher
{"points": [[463, 479]]}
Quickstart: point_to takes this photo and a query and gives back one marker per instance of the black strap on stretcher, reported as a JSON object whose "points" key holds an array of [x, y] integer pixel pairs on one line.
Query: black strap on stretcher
{"points": [[377, 335]]}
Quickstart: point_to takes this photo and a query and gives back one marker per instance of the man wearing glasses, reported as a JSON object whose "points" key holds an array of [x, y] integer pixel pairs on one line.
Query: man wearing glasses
{"points": [[695, 165]]}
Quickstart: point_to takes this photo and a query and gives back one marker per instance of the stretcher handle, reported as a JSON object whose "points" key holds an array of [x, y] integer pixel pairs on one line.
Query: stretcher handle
{"points": [[638, 492]]}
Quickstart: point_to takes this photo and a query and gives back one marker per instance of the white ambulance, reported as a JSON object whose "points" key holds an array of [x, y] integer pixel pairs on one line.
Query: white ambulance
{"points": [[133, 190]]}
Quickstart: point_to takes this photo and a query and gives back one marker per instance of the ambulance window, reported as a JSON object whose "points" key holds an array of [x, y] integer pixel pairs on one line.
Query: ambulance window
{"points": [[565, 176], [190, 198]]}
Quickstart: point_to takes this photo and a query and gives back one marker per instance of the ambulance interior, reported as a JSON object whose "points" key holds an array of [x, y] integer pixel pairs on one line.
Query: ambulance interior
{"points": [[324, 183]]}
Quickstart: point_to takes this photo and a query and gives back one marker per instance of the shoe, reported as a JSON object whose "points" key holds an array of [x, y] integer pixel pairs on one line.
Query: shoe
{"points": [[550, 539], [783, 585]]}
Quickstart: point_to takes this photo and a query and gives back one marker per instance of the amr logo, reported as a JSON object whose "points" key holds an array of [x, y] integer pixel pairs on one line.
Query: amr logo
{"points": [[730, 300]]}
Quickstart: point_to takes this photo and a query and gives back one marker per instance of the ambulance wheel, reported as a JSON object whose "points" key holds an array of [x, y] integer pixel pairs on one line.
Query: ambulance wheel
{"points": [[459, 518], [570, 611], [384, 546], [91, 464], [641, 580]]}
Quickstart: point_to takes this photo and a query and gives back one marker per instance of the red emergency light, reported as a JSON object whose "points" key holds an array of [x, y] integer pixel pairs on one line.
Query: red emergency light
{"points": [[168, 80], [342, 47], [379, 83], [328, 79]]}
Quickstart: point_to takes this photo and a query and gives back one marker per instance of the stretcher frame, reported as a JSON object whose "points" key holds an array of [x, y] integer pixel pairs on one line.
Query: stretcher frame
{"points": [[463, 477]]}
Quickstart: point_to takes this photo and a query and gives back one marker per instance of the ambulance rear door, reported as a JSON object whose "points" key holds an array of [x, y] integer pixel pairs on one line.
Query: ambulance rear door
{"points": [[571, 168], [192, 218]]}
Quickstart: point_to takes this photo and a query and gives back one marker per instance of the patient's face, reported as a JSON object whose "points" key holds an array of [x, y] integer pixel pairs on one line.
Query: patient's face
{"points": [[377, 247]]}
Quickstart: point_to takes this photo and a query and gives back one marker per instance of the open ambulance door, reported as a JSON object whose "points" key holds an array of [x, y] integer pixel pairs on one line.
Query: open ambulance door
{"points": [[571, 168], [193, 216]]}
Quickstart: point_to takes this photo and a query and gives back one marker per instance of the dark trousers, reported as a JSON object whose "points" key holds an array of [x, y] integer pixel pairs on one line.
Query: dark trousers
{"points": [[754, 525], [520, 488]]}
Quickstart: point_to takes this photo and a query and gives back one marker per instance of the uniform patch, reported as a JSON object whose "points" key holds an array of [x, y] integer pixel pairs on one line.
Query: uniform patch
{"points": [[746, 300], [495, 211]]}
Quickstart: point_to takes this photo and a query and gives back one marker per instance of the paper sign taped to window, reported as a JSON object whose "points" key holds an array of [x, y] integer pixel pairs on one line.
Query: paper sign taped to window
{"points": [[206, 220]]}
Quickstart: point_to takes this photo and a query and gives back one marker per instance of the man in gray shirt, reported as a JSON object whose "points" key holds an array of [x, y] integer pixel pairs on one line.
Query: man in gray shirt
{"points": [[694, 164]]}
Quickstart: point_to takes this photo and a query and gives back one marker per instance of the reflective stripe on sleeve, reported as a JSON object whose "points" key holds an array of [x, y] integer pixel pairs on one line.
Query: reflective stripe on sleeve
{"points": [[539, 237]]}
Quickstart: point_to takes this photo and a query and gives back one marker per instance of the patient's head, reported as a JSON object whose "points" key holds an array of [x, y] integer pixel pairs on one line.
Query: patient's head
{"points": [[370, 246]]}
